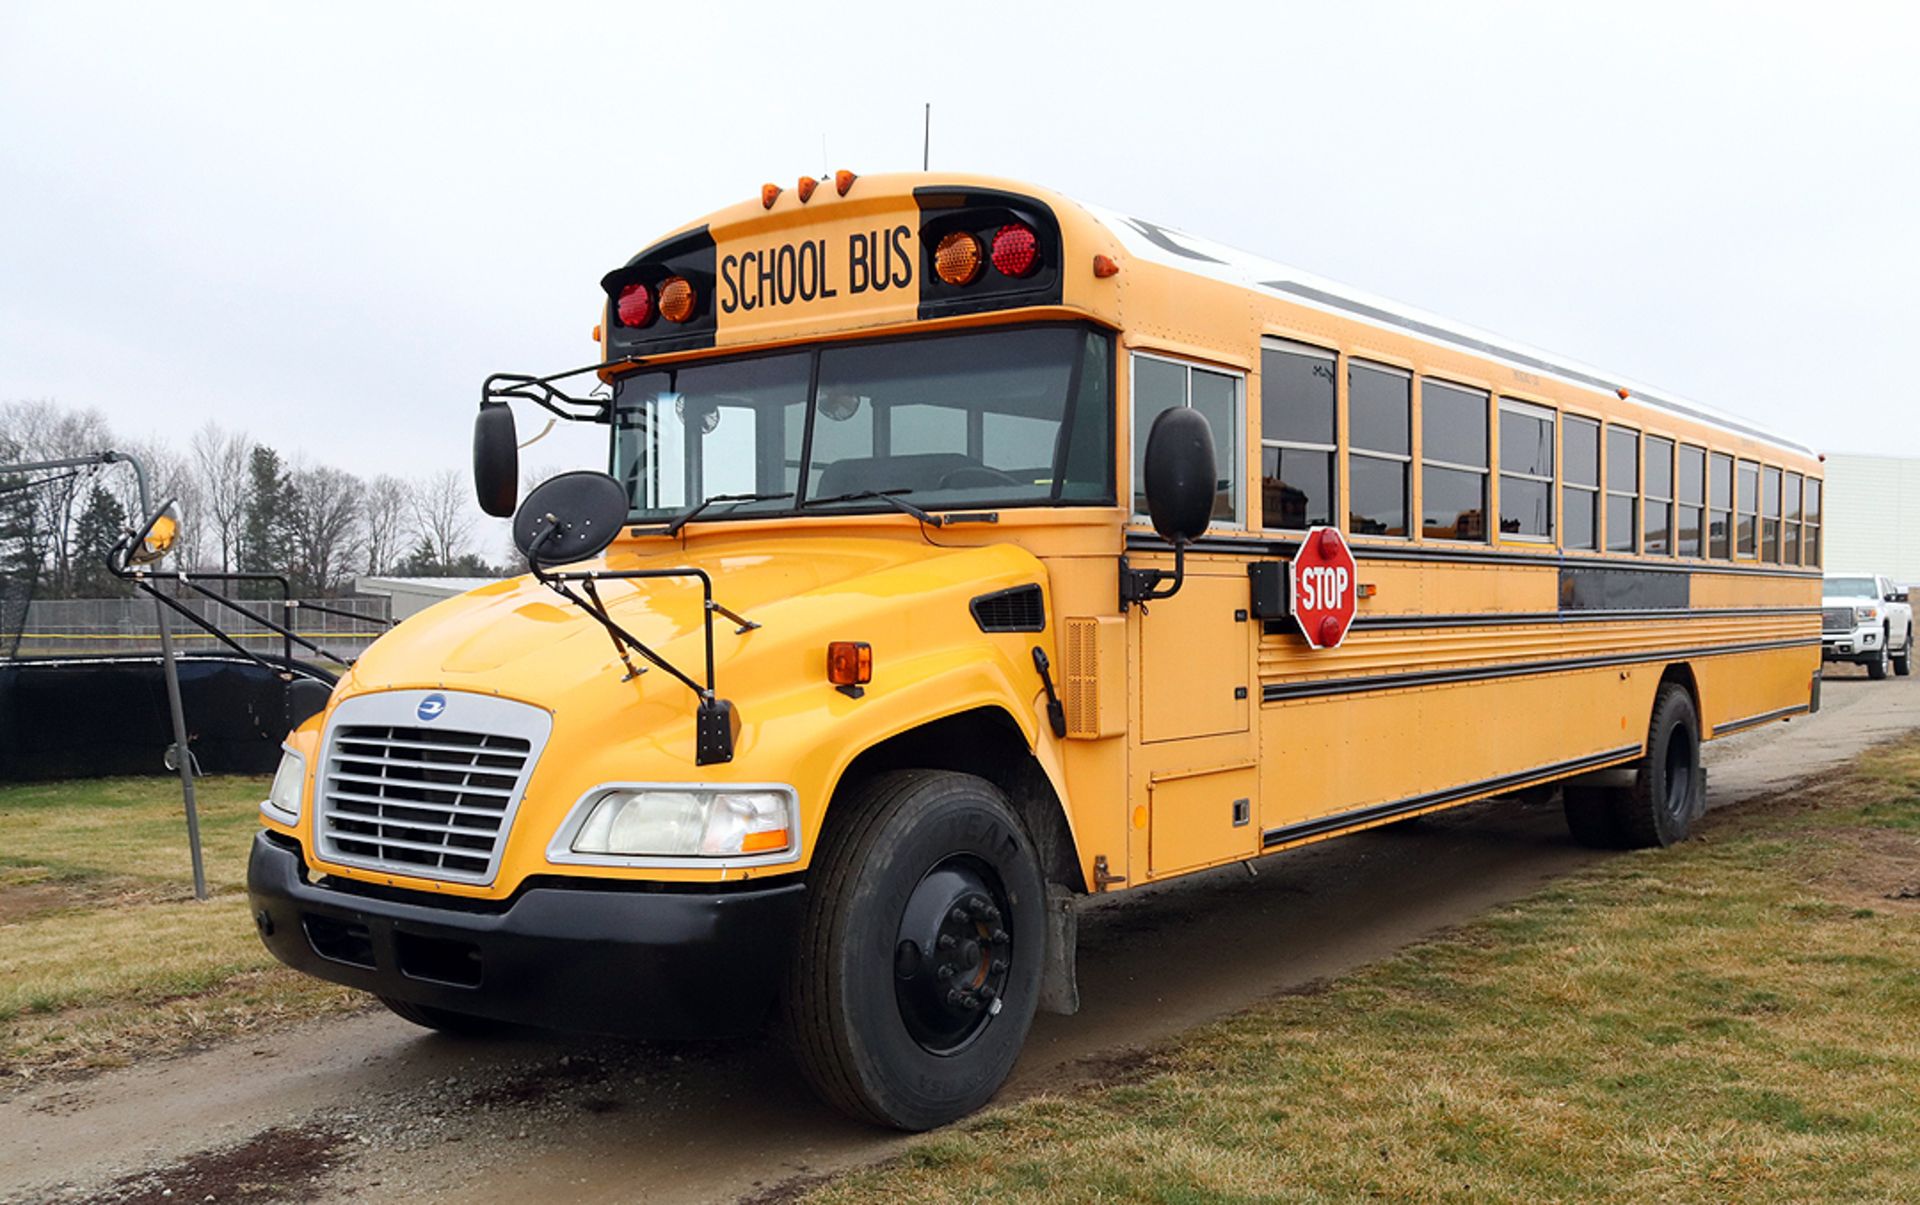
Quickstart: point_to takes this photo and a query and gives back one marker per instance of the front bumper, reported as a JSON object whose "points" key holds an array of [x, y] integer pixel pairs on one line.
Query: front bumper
{"points": [[1862, 644], [588, 959]]}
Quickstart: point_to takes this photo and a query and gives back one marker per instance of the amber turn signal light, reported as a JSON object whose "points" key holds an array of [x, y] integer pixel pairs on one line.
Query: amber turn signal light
{"points": [[676, 299], [843, 180], [957, 259], [805, 188], [849, 662], [769, 193]]}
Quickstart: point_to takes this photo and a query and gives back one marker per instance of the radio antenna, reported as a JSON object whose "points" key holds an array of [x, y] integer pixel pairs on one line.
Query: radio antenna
{"points": [[926, 135]]}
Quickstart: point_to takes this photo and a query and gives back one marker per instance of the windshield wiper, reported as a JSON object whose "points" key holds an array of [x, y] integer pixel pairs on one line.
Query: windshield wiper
{"points": [[890, 497], [673, 526]]}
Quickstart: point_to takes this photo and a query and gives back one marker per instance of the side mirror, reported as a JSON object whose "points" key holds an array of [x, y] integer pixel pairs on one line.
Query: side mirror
{"points": [[158, 537], [569, 518], [1180, 481], [496, 459], [1897, 596], [1180, 476]]}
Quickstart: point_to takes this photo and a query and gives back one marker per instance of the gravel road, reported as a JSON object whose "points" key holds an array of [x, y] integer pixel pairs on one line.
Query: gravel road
{"points": [[367, 1107]]}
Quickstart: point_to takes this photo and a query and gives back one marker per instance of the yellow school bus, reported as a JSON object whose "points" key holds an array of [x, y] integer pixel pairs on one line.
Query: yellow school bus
{"points": [[941, 577]]}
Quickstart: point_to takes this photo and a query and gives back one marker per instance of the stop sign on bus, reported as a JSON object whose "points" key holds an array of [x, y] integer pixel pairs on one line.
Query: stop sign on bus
{"points": [[1324, 588]]}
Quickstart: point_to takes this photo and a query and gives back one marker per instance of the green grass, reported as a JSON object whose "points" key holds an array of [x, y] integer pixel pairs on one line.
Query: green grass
{"points": [[1737, 1018], [104, 953]]}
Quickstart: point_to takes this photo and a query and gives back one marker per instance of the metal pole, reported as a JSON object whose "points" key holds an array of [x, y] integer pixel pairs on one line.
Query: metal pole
{"points": [[183, 755], [926, 136]]}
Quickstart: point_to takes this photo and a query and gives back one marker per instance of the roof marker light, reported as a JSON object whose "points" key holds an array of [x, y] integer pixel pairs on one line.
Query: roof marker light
{"points": [[1104, 266], [769, 193], [843, 180], [805, 188], [676, 299], [1624, 392], [957, 259]]}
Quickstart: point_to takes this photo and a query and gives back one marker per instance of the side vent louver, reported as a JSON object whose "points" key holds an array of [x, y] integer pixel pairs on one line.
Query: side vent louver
{"points": [[1020, 609]]}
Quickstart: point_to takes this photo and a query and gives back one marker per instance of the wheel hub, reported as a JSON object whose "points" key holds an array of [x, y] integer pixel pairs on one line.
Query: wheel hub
{"points": [[951, 955]]}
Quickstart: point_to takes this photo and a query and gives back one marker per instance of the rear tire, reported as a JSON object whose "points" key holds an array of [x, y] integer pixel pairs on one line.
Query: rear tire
{"points": [[918, 967], [1877, 668], [1668, 789], [444, 1020], [1590, 817], [1903, 660]]}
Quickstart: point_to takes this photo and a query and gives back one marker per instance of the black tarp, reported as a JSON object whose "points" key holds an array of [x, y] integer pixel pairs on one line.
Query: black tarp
{"points": [[89, 717]]}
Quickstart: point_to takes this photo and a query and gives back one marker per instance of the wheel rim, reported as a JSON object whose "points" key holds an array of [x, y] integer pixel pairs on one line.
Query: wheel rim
{"points": [[951, 954], [1679, 769]]}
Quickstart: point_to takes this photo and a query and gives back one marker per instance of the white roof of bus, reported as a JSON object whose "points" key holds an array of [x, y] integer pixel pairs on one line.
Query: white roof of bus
{"points": [[1203, 257]]}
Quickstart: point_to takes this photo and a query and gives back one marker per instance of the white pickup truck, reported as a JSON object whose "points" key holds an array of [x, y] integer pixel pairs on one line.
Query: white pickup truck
{"points": [[1865, 619]]}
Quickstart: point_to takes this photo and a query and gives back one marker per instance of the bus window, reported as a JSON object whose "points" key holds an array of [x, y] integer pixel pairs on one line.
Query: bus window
{"points": [[1580, 491], [1720, 507], [1379, 450], [1659, 512], [1623, 489], [1453, 461], [1296, 436], [1749, 511], [1813, 523], [1790, 529], [750, 413], [1160, 384], [1526, 470], [1692, 492], [1770, 514]]}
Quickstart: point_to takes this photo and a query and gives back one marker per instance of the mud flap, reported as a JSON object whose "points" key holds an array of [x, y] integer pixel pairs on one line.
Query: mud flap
{"points": [[1059, 981]]}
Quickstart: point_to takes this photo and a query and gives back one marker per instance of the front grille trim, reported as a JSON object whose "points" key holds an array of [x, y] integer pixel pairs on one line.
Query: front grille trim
{"points": [[1836, 619], [425, 799]]}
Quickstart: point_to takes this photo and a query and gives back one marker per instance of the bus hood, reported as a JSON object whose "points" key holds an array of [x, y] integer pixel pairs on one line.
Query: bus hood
{"points": [[519, 639]]}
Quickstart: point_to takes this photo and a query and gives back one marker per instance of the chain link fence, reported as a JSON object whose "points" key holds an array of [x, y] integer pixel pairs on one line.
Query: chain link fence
{"points": [[69, 626]]}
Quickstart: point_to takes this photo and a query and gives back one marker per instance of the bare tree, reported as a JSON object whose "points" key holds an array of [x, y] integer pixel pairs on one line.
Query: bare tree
{"points": [[386, 521], [220, 462], [324, 521], [44, 430], [442, 509]]}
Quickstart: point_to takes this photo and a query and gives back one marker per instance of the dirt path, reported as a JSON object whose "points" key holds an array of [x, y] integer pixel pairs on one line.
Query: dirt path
{"points": [[369, 1107]]}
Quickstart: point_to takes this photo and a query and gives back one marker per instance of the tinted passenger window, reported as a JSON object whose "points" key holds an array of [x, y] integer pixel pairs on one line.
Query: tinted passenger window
{"points": [[1659, 472], [1580, 470], [1297, 405], [1453, 474], [1623, 489], [1526, 470], [1379, 404]]}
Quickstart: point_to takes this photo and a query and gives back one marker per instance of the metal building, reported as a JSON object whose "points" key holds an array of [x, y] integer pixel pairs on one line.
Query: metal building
{"points": [[1873, 515]]}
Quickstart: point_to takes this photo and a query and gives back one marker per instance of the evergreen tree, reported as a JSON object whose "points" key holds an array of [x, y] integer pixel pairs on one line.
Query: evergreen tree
{"points": [[265, 546], [102, 523]]}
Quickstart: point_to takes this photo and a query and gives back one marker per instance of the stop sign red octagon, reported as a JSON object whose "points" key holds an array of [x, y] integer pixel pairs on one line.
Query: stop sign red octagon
{"points": [[1324, 588]]}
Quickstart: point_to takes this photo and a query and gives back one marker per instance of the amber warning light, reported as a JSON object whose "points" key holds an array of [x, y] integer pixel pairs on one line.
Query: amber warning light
{"points": [[850, 665]]}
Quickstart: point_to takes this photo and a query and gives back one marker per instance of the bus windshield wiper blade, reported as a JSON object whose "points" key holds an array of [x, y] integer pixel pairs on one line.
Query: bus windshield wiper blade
{"points": [[890, 497], [689, 515]]}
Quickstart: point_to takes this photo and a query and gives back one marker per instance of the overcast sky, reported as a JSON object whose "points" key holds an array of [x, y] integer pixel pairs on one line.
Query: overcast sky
{"points": [[326, 224]]}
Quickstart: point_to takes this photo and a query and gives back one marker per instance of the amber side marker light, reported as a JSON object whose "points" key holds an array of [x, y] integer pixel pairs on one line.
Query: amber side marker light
{"points": [[849, 665], [843, 180], [765, 843], [957, 259], [805, 188], [596, 332], [1624, 393], [769, 193], [676, 299], [1103, 266]]}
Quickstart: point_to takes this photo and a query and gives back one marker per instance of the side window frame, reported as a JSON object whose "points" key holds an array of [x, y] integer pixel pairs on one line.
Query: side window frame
{"points": [[1550, 416], [1355, 452], [1630, 494], [1594, 492], [1650, 444], [1484, 470], [1228, 461], [1331, 449]]}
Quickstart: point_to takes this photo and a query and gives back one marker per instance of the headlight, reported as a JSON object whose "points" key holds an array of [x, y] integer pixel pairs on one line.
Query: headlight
{"points": [[689, 822], [1865, 614], [283, 797]]}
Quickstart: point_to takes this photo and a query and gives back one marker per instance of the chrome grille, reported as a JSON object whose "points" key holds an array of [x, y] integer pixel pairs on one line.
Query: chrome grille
{"points": [[1836, 619], [420, 799]]}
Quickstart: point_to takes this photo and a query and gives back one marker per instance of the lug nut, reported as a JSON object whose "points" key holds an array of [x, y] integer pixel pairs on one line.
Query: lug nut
{"points": [[999, 936], [958, 916], [945, 971], [999, 966], [946, 941]]}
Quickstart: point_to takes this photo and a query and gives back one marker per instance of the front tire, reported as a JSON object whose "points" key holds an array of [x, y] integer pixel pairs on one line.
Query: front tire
{"points": [[1903, 660], [918, 968], [1877, 668]]}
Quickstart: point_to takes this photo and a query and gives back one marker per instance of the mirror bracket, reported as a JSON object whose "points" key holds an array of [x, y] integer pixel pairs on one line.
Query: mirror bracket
{"points": [[1145, 585]]}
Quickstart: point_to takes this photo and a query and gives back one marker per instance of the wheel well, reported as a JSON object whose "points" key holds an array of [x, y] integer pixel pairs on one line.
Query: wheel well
{"points": [[985, 742], [1682, 673]]}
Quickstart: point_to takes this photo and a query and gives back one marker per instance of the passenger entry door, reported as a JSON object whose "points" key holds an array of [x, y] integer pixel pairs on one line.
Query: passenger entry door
{"points": [[1193, 775]]}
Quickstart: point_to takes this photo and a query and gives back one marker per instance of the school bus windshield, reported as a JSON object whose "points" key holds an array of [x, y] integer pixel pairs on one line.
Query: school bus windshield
{"points": [[1008, 417]]}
